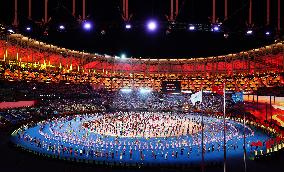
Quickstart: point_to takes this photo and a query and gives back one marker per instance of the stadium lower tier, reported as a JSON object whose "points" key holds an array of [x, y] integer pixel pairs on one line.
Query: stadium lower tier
{"points": [[139, 137]]}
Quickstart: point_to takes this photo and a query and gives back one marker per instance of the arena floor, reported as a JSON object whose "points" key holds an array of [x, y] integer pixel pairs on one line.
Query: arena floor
{"points": [[82, 138]]}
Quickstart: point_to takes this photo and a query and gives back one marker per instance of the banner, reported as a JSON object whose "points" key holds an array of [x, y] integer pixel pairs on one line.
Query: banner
{"points": [[218, 89], [238, 97]]}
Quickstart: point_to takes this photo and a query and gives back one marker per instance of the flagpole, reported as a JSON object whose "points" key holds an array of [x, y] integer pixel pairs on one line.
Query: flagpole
{"points": [[224, 121], [245, 164], [202, 138]]}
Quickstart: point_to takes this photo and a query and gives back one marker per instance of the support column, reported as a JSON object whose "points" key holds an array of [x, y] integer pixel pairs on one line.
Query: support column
{"points": [[214, 11], [126, 10], [176, 13], [172, 10], [270, 107], [226, 10], [30, 9], [84, 10], [267, 12], [15, 23], [266, 110], [250, 12], [278, 17], [74, 8], [45, 11]]}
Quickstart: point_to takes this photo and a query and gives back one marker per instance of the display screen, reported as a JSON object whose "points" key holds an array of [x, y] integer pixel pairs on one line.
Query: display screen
{"points": [[171, 86]]}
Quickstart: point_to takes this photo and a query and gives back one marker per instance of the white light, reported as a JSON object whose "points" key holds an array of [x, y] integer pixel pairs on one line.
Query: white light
{"points": [[123, 56], [186, 91], [191, 28], [87, 26], [61, 27], [11, 31], [249, 32], [145, 90], [128, 26], [28, 28], [126, 90], [267, 33]]}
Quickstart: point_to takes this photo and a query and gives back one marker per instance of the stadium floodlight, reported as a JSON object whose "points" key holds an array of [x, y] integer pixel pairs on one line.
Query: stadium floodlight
{"points": [[191, 28], [87, 25], [123, 56], [11, 30], [61, 27], [216, 28], [128, 26], [145, 90], [126, 90], [152, 25], [249, 32]]}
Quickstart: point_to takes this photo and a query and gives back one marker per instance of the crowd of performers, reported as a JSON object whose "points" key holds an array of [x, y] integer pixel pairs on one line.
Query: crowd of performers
{"points": [[143, 124], [132, 136]]}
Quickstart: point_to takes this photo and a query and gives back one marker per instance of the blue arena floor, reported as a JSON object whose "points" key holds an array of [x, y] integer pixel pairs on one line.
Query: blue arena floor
{"points": [[44, 138]]}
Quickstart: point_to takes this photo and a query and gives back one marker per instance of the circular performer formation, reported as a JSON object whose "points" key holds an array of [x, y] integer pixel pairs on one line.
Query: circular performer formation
{"points": [[136, 137]]}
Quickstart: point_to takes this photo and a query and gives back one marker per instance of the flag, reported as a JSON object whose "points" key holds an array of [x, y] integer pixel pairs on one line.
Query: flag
{"points": [[196, 97], [218, 89], [238, 97]]}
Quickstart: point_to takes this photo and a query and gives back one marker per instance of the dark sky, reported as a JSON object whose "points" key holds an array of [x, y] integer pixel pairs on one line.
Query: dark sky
{"points": [[180, 43]]}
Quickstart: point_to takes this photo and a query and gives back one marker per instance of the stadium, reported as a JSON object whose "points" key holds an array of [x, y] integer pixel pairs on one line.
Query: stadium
{"points": [[82, 93]]}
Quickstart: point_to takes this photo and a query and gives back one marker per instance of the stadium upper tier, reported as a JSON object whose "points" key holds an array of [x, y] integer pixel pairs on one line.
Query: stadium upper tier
{"points": [[23, 49]]}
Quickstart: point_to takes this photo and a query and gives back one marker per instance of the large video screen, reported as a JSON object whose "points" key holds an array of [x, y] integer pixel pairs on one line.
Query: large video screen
{"points": [[171, 86]]}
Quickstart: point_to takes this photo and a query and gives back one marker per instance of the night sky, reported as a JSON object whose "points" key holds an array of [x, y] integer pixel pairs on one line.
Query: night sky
{"points": [[180, 43]]}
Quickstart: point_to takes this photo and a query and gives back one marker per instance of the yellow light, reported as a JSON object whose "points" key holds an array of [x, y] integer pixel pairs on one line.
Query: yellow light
{"points": [[17, 56]]}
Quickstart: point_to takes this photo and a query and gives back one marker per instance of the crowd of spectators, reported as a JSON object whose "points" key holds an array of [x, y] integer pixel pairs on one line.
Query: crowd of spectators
{"points": [[94, 101], [154, 101]]}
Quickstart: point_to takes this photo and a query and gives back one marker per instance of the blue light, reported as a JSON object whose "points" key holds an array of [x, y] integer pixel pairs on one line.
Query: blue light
{"points": [[216, 28], [87, 25], [152, 25]]}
